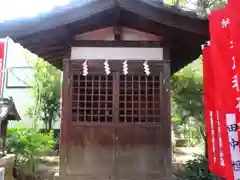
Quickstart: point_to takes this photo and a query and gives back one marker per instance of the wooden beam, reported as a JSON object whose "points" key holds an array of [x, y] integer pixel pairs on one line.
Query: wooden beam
{"points": [[60, 33], [117, 31], [52, 56], [166, 16], [89, 43], [46, 42], [47, 49], [56, 62], [95, 22], [35, 43], [134, 21], [134, 67]]}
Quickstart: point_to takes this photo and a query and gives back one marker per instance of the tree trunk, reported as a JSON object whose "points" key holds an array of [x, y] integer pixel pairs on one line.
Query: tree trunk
{"points": [[177, 3], [204, 138], [201, 132], [46, 126], [49, 125], [206, 147]]}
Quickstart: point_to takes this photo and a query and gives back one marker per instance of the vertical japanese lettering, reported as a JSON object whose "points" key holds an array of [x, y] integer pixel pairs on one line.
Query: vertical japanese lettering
{"points": [[238, 103], [225, 22], [212, 135], [231, 45], [236, 165], [234, 63], [235, 83], [222, 163], [233, 141]]}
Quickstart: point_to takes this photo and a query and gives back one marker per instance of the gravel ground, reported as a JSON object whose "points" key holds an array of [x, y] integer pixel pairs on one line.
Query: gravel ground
{"points": [[180, 156], [184, 154]]}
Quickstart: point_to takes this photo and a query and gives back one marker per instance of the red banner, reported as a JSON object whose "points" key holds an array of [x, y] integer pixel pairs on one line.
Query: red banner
{"points": [[227, 91], [234, 26], [2, 56], [209, 111]]}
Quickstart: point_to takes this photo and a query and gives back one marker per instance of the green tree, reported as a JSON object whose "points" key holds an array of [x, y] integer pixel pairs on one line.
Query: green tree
{"points": [[177, 3], [187, 95], [203, 7], [45, 89], [187, 90]]}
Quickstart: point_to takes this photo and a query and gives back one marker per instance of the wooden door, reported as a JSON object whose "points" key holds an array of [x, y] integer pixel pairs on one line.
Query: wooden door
{"points": [[140, 152], [91, 151], [118, 126]]}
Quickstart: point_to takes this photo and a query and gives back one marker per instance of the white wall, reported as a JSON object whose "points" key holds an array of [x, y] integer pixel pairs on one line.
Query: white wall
{"points": [[21, 96], [16, 57], [116, 53]]}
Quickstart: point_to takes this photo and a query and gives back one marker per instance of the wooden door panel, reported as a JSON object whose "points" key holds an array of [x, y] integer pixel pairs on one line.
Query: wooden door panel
{"points": [[140, 99], [92, 151], [92, 98], [140, 154], [91, 148]]}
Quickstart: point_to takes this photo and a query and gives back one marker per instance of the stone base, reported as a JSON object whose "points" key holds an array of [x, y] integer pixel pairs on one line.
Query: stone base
{"points": [[8, 163], [57, 177], [177, 167]]}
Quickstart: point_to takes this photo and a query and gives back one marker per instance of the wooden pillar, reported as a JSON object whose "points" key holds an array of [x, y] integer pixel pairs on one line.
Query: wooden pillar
{"points": [[167, 109], [65, 114], [4, 134]]}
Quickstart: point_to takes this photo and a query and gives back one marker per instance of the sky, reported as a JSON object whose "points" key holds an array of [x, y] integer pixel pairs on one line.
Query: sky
{"points": [[11, 9]]}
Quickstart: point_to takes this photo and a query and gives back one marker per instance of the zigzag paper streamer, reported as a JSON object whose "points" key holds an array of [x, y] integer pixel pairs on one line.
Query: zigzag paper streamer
{"points": [[107, 67], [85, 68], [146, 68], [125, 68]]}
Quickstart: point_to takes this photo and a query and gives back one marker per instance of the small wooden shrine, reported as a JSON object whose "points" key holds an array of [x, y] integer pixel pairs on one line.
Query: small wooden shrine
{"points": [[8, 112], [117, 57]]}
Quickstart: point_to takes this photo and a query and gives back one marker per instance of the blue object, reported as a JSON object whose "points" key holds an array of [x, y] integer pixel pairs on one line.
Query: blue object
{"points": [[161, 1]]}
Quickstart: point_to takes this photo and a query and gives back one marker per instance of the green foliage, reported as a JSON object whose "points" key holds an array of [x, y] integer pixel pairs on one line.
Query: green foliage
{"points": [[29, 146], [196, 169], [174, 2], [46, 89], [182, 143], [187, 99], [204, 6], [187, 88], [12, 143]]}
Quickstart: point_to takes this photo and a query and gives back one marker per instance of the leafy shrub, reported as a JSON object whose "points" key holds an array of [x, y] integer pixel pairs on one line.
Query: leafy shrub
{"points": [[29, 146], [182, 143], [13, 144], [56, 138], [196, 169]]}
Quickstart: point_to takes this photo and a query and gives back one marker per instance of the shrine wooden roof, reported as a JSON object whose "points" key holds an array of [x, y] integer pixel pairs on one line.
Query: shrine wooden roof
{"points": [[50, 35], [8, 109]]}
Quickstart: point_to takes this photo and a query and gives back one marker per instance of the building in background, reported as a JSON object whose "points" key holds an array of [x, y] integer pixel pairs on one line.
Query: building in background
{"points": [[16, 73]]}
